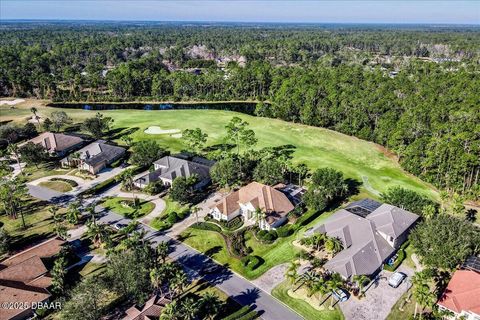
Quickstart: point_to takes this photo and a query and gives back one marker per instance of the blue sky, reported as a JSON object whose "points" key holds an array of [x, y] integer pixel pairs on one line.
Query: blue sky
{"points": [[353, 11]]}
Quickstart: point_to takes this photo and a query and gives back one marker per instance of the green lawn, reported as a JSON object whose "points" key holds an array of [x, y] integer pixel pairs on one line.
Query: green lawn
{"points": [[302, 307], [281, 251], [38, 221], [212, 244], [170, 206], [317, 147], [59, 186], [408, 308], [115, 204]]}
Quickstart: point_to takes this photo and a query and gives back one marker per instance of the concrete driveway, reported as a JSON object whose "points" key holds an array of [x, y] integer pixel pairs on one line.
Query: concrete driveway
{"points": [[379, 299]]}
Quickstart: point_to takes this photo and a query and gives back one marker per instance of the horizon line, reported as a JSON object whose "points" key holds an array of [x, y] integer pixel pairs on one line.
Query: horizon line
{"points": [[239, 21]]}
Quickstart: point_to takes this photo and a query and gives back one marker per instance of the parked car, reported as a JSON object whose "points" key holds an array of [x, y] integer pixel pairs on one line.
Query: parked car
{"points": [[119, 226], [340, 295], [396, 279]]}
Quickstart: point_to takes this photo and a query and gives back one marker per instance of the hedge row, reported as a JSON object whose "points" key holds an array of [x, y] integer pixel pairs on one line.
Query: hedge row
{"points": [[206, 226], [239, 313], [252, 262], [401, 256]]}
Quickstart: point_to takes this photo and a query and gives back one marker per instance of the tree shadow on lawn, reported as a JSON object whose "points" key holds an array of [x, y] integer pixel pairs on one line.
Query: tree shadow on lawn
{"points": [[219, 146], [212, 251], [353, 187], [117, 133]]}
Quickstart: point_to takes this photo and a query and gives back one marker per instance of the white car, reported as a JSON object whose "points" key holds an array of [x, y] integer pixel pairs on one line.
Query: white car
{"points": [[396, 279], [340, 295]]}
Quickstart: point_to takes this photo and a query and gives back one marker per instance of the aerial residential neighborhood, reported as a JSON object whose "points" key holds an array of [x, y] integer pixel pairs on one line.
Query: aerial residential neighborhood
{"points": [[239, 160]]}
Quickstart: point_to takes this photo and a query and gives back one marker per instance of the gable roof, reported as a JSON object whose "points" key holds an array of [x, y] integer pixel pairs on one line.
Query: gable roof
{"points": [[391, 220], [99, 151], [24, 271], [462, 292], [151, 310], [45, 249], [173, 167], [56, 142], [365, 249], [23, 277], [14, 291], [270, 200]]}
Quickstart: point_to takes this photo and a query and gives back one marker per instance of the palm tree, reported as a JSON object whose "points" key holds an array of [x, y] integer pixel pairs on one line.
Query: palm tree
{"points": [[162, 251], [13, 150], [126, 177], [34, 111], [92, 213], [361, 281], [73, 212], [318, 240], [195, 210], [259, 216], [178, 282], [423, 296], [98, 233], [292, 273], [334, 283], [189, 308], [211, 304], [157, 278], [333, 245], [171, 311]]}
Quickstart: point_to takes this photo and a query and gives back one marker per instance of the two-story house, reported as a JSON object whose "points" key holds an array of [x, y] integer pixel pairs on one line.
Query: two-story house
{"points": [[255, 202]]}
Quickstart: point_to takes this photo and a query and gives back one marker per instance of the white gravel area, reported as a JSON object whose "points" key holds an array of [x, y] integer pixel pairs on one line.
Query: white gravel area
{"points": [[11, 102]]}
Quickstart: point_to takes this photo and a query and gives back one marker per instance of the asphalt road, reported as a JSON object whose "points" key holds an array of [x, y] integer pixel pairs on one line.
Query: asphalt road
{"points": [[195, 263]]}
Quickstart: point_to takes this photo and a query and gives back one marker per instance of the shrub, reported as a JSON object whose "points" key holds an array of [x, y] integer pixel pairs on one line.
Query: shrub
{"points": [[284, 231], [182, 214], [173, 217], [267, 236], [252, 262], [154, 188], [206, 226], [401, 255], [305, 219], [250, 316]]}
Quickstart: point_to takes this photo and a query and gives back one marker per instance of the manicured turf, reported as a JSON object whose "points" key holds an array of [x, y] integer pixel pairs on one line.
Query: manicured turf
{"points": [[59, 186], [303, 308], [115, 204], [38, 221], [408, 308], [317, 147], [170, 206], [281, 251]]}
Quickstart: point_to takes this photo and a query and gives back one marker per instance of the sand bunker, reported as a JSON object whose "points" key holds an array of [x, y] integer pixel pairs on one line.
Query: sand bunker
{"points": [[176, 135], [158, 130], [11, 102]]}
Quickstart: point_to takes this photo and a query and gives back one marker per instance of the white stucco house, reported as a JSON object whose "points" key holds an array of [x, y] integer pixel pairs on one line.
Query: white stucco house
{"points": [[244, 202]]}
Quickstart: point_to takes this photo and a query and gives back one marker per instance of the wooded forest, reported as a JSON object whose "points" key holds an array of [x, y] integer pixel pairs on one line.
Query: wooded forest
{"points": [[412, 89]]}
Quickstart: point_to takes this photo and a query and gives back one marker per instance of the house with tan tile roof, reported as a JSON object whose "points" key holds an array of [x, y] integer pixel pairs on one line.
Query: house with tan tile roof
{"points": [[245, 202], [58, 144], [25, 278]]}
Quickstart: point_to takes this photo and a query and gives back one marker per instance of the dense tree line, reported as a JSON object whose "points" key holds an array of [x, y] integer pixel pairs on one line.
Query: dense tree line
{"points": [[428, 113]]}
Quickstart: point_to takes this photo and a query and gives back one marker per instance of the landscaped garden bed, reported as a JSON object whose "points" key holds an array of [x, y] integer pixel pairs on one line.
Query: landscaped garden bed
{"points": [[126, 206], [173, 213], [59, 186]]}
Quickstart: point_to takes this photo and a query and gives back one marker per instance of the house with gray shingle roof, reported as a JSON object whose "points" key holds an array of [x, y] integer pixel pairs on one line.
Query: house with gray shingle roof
{"points": [[94, 157], [169, 168], [369, 237]]}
